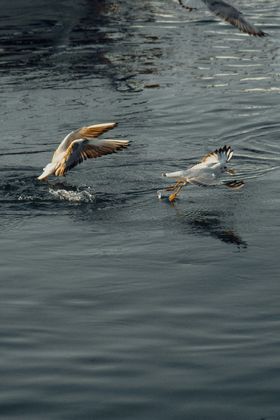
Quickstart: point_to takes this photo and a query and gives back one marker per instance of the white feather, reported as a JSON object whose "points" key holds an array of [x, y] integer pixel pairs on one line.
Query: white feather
{"points": [[47, 171]]}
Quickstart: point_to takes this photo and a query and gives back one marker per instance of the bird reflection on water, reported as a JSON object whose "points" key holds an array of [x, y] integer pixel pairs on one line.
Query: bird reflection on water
{"points": [[209, 223]]}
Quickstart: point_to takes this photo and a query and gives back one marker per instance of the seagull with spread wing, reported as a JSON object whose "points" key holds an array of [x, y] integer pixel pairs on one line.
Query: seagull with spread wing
{"points": [[205, 173], [225, 12], [81, 145]]}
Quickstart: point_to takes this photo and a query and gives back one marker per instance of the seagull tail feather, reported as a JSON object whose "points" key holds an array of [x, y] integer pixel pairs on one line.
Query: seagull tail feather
{"points": [[176, 174]]}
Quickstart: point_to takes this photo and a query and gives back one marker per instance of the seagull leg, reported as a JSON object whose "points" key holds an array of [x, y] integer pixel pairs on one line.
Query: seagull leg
{"points": [[171, 187], [177, 188], [162, 193]]}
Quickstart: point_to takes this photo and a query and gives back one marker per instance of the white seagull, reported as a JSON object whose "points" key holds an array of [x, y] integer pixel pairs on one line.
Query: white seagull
{"points": [[80, 145], [225, 12], [205, 173]]}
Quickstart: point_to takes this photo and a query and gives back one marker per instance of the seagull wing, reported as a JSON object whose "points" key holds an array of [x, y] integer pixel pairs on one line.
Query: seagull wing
{"points": [[82, 149], [235, 185], [222, 155], [231, 15], [88, 132], [191, 4]]}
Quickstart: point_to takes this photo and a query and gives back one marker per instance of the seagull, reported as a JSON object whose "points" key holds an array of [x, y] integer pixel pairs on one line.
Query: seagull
{"points": [[225, 12], [205, 173], [81, 145]]}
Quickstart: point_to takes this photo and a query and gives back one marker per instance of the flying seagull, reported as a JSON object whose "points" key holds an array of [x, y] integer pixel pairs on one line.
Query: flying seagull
{"points": [[205, 173], [81, 145], [225, 12]]}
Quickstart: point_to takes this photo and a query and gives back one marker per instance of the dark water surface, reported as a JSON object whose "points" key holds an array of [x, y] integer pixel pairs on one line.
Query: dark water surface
{"points": [[115, 305]]}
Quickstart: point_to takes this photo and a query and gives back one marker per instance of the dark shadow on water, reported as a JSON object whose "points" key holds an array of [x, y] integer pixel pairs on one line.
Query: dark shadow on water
{"points": [[211, 224], [216, 224]]}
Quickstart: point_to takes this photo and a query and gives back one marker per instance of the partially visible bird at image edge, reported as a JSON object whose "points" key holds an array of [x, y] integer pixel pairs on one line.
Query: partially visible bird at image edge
{"points": [[225, 12]]}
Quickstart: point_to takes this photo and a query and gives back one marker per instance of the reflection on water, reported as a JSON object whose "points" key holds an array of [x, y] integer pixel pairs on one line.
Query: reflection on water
{"points": [[216, 224]]}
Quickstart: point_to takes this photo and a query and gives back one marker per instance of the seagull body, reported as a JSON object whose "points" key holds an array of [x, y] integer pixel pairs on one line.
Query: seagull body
{"points": [[205, 173], [225, 12], [208, 170], [80, 145]]}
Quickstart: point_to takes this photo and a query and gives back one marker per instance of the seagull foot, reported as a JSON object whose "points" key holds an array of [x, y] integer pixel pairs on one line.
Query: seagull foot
{"points": [[172, 197]]}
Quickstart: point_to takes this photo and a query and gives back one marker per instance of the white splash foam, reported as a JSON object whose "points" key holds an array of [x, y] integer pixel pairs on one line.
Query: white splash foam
{"points": [[25, 197], [84, 196]]}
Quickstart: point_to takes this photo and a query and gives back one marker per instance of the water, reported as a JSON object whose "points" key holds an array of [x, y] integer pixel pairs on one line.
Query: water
{"points": [[115, 305]]}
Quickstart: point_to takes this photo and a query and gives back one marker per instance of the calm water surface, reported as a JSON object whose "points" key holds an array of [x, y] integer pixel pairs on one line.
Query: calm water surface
{"points": [[115, 305]]}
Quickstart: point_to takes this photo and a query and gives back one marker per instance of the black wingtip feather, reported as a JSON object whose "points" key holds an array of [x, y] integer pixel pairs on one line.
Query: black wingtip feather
{"points": [[227, 150]]}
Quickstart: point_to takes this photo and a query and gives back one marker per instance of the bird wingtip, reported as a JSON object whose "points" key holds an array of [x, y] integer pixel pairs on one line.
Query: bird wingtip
{"points": [[262, 34]]}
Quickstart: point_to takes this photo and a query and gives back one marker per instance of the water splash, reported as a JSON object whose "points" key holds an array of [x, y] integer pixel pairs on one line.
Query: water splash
{"points": [[80, 195]]}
